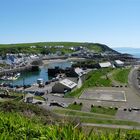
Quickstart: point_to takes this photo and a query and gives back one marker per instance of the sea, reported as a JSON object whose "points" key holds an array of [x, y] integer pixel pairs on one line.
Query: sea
{"points": [[29, 78], [135, 52]]}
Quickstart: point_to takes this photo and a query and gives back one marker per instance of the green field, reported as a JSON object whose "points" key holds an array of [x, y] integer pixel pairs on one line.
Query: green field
{"points": [[25, 47], [25, 121], [94, 79], [96, 118], [121, 75], [75, 106], [81, 113], [103, 110]]}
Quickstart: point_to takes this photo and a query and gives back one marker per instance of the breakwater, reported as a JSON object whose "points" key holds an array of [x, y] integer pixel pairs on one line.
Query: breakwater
{"points": [[19, 69]]}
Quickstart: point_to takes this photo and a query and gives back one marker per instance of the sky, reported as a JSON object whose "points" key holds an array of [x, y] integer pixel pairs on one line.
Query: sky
{"points": [[115, 23]]}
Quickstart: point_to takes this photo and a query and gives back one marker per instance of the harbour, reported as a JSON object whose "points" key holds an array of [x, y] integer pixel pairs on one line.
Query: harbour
{"points": [[30, 77]]}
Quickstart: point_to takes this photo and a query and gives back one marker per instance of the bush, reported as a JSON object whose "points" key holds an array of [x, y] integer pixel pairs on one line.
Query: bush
{"points": [[133, 135], [116, 108], [75, 103], [100, 106]]}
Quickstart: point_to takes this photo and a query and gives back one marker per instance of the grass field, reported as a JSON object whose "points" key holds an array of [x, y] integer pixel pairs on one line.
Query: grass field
{"points": [[121, 75], [103, 110], [94, 118], [81, 113], [75, 106]]}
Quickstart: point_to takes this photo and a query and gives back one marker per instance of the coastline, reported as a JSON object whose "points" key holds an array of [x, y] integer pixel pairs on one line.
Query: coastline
{"points": [[46, 62]]}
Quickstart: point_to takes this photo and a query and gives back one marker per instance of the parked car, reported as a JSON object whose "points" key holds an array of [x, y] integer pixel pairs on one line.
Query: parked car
{"points": [[37, 93]]}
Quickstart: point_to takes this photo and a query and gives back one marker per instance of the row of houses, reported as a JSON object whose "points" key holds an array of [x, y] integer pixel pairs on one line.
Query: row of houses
{"points": [[18, 59], [116, 63], [67, 84], [70, 82]]}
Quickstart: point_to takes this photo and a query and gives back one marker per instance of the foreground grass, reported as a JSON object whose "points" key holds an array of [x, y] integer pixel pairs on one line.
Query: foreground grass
{"points": [[103, 110], [14, 124], [121, 75], [94, 79], [27, 110]]}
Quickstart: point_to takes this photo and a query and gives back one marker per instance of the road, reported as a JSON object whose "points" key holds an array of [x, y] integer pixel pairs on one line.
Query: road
{"points": [[111, 126], [133, 82]]}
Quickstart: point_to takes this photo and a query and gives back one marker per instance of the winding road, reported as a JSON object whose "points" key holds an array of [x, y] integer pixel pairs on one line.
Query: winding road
{"points": [[133, 81]]}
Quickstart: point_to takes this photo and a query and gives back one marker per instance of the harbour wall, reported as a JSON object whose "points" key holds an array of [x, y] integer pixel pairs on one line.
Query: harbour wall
{"points": [[19, 69]]}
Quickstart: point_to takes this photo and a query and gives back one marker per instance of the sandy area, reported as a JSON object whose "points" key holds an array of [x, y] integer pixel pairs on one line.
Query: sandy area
{"points": [[45, 62]]}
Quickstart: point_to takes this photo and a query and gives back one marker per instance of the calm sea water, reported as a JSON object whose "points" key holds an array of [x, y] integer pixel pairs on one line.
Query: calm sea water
{"points": [[31, 77], [133, 51]]}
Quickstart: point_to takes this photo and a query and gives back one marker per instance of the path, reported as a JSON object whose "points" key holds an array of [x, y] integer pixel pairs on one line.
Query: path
{"points": [[111, 126], [133, 82]]}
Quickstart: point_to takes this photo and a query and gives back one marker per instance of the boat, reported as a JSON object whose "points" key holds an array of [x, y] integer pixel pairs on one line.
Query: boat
{"points": [[3, 78], [15, 77]]}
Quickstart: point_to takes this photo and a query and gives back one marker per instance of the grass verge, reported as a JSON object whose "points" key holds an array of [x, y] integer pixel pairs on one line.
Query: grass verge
{"points": [[93, 118], [103, 110], [121, 75], [75, 106], [39, 98], [81, 113]]}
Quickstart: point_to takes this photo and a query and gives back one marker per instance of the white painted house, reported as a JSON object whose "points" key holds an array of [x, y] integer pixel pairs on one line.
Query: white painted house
{"points": [[79, 71], [63, 86], [119, 63], [105, 65]]}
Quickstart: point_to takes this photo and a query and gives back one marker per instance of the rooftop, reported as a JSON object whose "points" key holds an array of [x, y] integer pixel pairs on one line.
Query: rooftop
{"points": [[79, 71], [68, 83], [119, 62], [105, 64]]}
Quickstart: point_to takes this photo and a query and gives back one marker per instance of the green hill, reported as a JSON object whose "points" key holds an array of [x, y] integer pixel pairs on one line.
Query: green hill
{"points": [[44, 47], [23, 121]]}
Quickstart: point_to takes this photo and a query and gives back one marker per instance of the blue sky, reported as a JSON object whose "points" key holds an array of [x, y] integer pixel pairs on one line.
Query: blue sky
{"points": [[113, 22]]}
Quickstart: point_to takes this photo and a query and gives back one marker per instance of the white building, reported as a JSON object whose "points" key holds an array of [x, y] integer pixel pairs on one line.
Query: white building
{"points": [[119, 63], [105, 65], [63, 86], [79, 71]]}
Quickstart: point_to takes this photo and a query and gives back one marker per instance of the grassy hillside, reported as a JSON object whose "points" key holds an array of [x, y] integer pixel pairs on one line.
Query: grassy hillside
{"points": [[25, 47], [22, 121], [121, 75], [28, 110]]}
